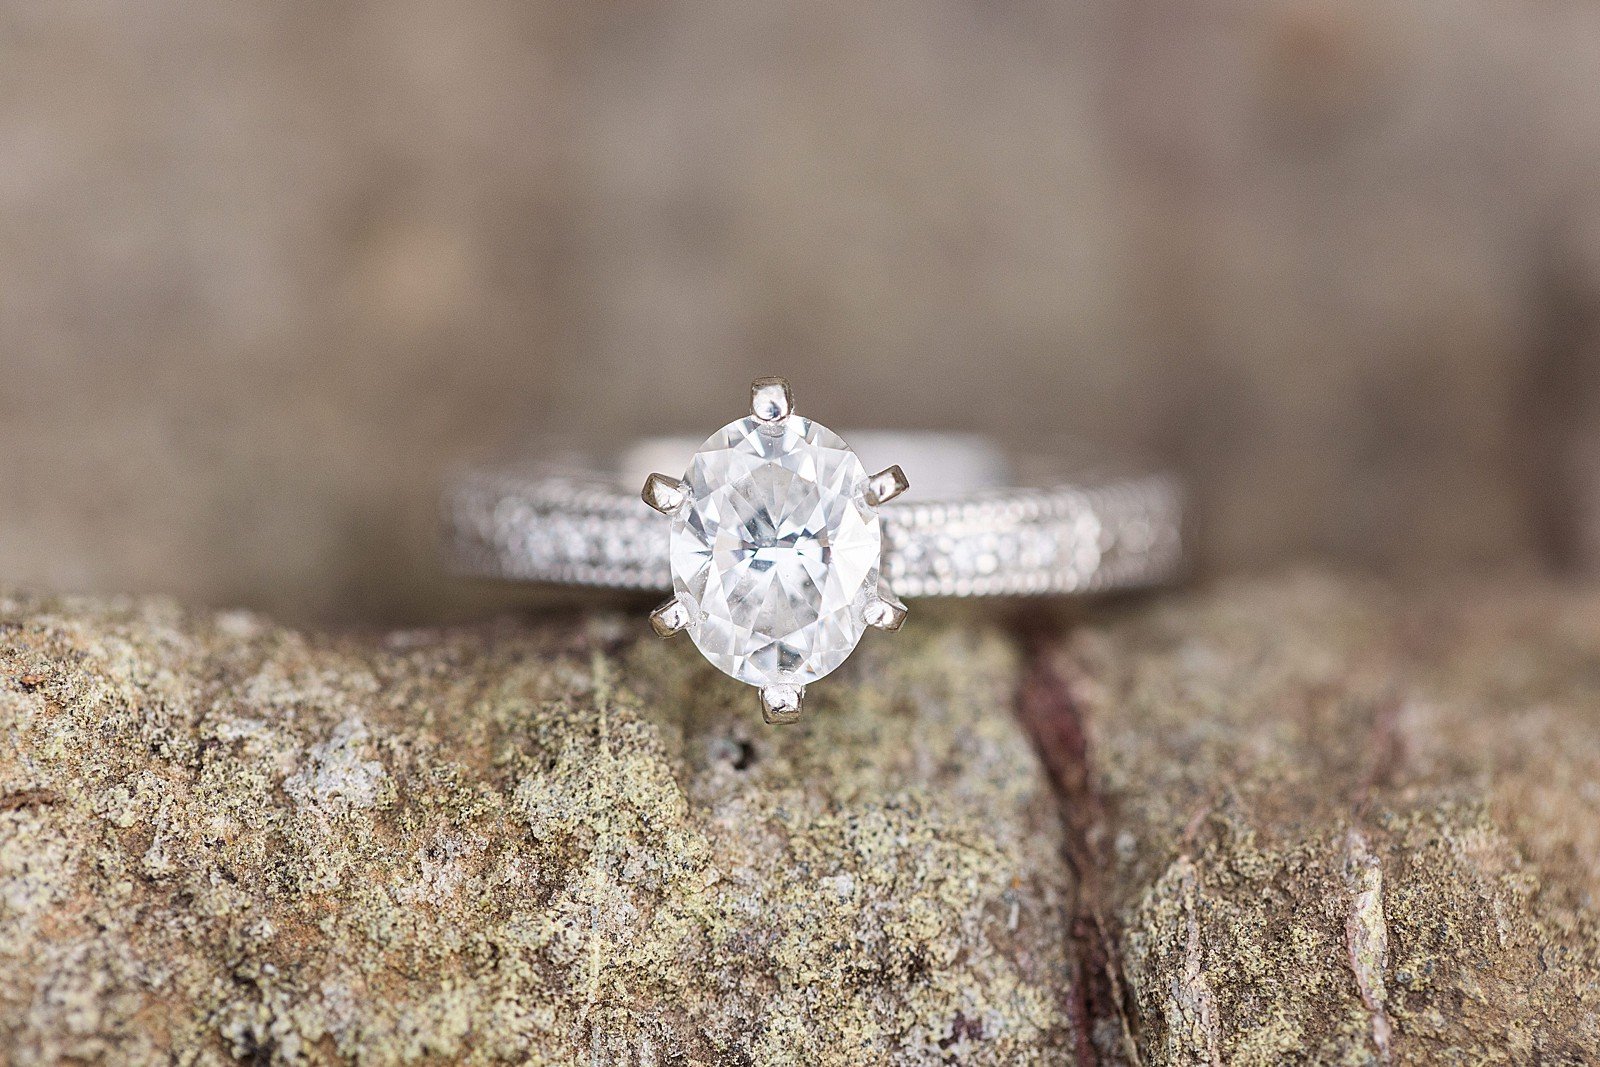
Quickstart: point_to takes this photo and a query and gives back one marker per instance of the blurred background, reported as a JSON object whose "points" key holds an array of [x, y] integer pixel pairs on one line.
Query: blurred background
{"points": [[268, 270]]}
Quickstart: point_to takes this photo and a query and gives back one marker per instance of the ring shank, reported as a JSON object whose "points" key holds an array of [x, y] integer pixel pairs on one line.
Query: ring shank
{"points": [[939, 465], [964, 529]]}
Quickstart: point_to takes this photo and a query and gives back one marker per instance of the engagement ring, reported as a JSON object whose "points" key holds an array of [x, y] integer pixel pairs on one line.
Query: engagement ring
{"points": [[781, 549]]}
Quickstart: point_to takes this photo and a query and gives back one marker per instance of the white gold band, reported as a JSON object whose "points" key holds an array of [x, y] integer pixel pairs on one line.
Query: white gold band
{"points": [[967, 529]]}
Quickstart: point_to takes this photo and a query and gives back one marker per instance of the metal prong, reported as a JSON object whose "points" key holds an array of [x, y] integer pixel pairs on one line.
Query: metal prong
{"points": [[669, 618], [884, 611], [781, 703], [770, 400], [886, 485], [664, 494]]}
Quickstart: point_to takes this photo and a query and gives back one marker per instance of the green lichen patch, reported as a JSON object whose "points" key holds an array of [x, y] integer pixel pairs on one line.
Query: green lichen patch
{"points": [[515, 842]]}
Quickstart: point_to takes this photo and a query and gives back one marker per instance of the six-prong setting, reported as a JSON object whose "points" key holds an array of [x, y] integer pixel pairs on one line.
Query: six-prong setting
{"points": [[780, 703], [885, 611], [886, 485], [669, 618], [776, 549], [663, 493], [770, 400]]}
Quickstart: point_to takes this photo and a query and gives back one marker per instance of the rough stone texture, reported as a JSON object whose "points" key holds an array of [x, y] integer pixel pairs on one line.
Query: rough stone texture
{"points": [[511, 842], [267, 269], [1337, 824], [1305, 820]]}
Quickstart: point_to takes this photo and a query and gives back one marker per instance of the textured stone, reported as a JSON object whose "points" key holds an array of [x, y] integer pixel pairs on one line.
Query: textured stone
{"points": [[1304, 821], [1330, 823], [524, 843]]}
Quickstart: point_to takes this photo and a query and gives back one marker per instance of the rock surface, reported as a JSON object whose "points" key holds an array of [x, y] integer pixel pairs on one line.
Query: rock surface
{"points": [[1331, 823], [1300, 820], [222, 839]]}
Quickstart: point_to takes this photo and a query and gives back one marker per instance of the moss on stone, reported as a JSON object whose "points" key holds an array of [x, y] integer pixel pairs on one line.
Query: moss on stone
{"points": [[1323, 821], [515, 842]]}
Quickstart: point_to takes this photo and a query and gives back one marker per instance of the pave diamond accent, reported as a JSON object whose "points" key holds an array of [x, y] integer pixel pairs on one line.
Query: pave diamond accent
{"points": [[573, 523], [776, 554]]}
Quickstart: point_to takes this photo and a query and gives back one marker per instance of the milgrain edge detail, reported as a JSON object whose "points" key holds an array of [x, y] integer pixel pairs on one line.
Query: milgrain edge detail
{"points": [[585, 530]]}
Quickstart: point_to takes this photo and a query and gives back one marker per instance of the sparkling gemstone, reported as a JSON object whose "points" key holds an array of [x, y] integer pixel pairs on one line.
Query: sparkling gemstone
{"points": [[776, 552]]}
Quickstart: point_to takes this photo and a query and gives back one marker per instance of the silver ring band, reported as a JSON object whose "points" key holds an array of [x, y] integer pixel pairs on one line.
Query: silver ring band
{"points": [[994, 528]]}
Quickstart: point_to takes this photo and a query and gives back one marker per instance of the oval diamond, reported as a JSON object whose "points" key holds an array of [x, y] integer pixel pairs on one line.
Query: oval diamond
{"points": [[776, 553]]}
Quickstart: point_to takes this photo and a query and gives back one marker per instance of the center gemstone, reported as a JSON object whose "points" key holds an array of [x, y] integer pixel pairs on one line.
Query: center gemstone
{"points": [[776, 552]]}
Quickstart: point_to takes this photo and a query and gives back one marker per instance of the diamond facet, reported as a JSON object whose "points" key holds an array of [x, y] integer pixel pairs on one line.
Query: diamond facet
{"points": [[775, 555]]}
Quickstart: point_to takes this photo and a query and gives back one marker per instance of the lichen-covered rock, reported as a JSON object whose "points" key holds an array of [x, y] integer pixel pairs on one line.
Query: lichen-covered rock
{"points": [[1294, 821], [512, 842], [1334, 824]]}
